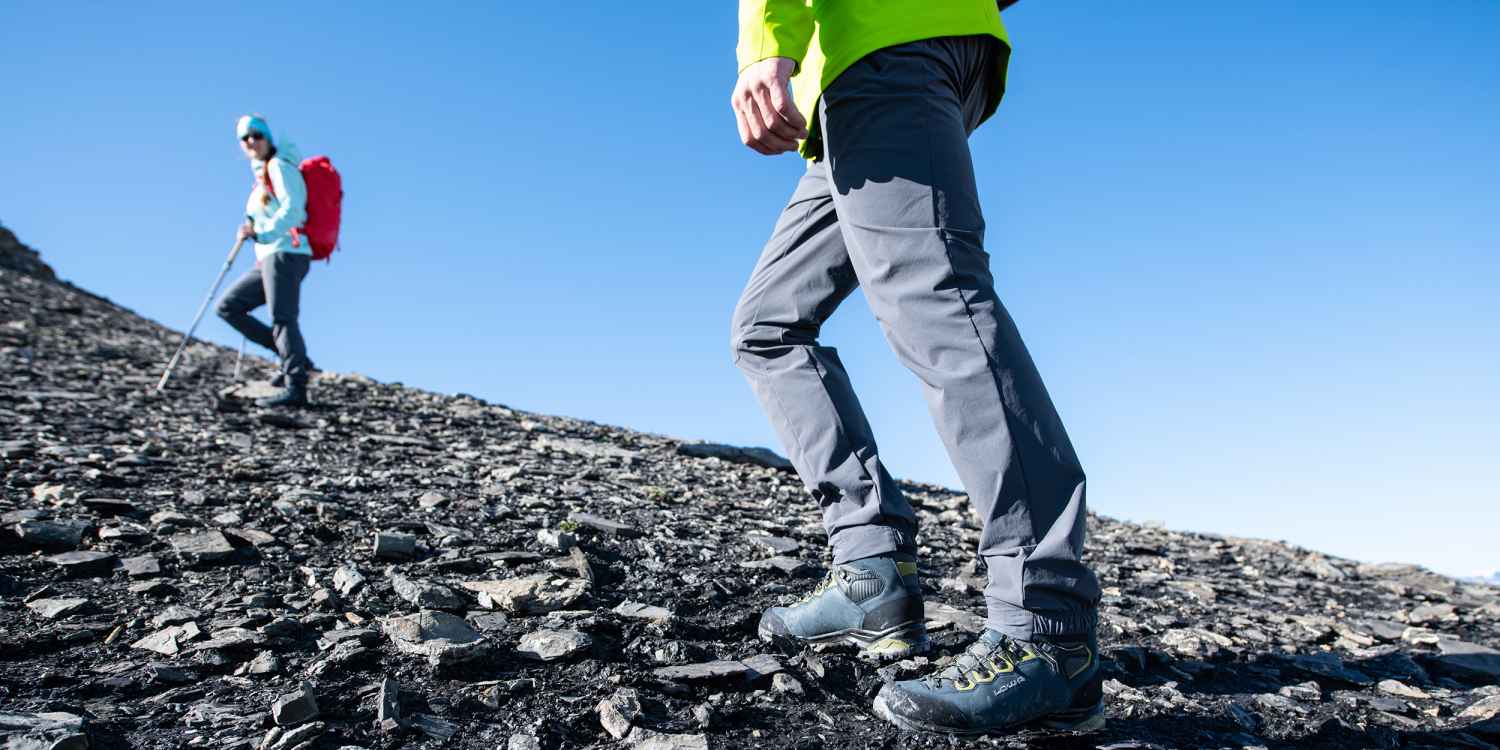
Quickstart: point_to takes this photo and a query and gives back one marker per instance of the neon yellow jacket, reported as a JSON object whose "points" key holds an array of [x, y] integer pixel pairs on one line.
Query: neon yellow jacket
{"points": [[825, 37]]}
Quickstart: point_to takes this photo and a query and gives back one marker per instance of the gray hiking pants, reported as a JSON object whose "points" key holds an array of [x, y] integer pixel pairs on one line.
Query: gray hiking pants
{"points": [[275, 281], [893, 208]]}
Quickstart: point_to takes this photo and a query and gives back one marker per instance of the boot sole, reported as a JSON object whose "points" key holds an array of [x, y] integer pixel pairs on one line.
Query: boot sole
{"points": [[1072, 720], [891, 644]]}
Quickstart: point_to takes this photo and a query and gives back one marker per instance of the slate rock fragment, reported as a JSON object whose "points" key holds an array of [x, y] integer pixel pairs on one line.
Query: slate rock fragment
{"points": [[553, 645], [535, 594], [204, 548], [395, 546], [736, 454], [83, 564], [51, 609], [52, 534], [619, 711], [296, 707], [604, 525], [442, 638]]}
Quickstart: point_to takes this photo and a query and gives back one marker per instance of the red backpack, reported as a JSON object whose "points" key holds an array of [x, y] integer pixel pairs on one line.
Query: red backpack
{"points": [[325, 200]]}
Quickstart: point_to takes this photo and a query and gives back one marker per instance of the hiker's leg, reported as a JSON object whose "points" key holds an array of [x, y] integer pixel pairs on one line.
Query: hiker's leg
{"points": [[802, 276], [283, 284], [895, 128], [244, 295]]}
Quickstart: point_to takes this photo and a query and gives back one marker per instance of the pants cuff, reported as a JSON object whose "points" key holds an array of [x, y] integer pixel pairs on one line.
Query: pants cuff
{"points": [[1030, 626], [870, 540]]}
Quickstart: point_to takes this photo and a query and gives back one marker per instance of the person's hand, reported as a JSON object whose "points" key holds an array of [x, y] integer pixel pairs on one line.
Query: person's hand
{"points": [[246, 232], [767, 117]]}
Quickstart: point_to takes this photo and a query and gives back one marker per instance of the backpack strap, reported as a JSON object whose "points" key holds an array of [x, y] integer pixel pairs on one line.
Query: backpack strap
{"points": [[265, 176]]}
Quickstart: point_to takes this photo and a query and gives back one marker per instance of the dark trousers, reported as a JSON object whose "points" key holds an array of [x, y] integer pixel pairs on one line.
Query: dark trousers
{"points": [[275, 281]]}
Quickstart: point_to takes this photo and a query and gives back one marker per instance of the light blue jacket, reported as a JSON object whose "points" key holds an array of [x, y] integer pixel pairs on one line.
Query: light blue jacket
{"points": [[274, 220]]}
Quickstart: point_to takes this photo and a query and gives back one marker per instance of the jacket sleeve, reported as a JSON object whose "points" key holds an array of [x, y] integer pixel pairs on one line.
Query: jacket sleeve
{"points": [[774, 28], [291, 192]]}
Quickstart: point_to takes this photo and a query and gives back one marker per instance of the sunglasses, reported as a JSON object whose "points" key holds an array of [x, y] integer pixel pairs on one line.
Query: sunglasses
{"points": [[251, 136]]}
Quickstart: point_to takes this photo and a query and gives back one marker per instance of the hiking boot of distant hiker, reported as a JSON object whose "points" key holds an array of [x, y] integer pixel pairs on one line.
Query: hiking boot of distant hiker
{"points": [[874, 604], [999, 684], [293, 396]]}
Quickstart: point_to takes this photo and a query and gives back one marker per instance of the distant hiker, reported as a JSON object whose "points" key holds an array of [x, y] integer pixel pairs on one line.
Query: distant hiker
{"points": [[277, 205], [889, 203]]}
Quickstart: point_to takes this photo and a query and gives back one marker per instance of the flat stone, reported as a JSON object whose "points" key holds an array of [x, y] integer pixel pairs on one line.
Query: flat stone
{"points": [[585, 448], [1469, 661], [645, 739], [52, 534], [942, 616], [735, 454], [748, 669], [168, 641], [638, 611], [438, 729], [51, 609], [202, 548], [174, 615], [363, 636], [779, 545], [1303, 691], [394, 546], [425, 595], [440, 637], [141, 566], [53, 730], [619, 711], [604, 525], [535, 594], [299, 737], [1195, 642], [1397, 687], [552, 645], [84, 563], [790, 566], [1482, 709], [230, 639], [1431, 613], [296, 707], [1384, 630]]}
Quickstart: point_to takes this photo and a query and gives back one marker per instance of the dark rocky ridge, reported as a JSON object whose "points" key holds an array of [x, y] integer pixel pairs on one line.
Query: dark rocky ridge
{"points": [[396, 567], [15, 256]]}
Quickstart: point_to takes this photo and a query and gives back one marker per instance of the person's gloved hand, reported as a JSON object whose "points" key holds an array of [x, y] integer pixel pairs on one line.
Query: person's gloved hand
{"points": [[763, 108]]}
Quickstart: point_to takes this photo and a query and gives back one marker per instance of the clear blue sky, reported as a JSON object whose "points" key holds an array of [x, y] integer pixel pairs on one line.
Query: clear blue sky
{"points": [[1254, 247]]}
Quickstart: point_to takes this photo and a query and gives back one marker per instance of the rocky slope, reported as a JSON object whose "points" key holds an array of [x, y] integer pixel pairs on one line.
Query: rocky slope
{"points": [[397, 568]]}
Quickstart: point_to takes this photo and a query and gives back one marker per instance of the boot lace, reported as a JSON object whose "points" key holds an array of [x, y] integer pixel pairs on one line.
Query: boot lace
{"points": [[828, 582], [981, 662]]}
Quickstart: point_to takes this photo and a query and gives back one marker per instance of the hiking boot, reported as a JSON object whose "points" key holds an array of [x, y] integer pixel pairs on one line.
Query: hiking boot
{"points": [[999, 683], [292, 396], [874, 604]]}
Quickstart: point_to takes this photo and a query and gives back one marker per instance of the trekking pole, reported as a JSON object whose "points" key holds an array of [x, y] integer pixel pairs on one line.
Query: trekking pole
{"points": [[238, 358], [233, 253]]}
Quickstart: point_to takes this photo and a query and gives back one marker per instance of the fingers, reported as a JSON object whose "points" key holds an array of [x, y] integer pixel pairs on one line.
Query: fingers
{"points": [[792, 123], [763, 120], [766, 117]]}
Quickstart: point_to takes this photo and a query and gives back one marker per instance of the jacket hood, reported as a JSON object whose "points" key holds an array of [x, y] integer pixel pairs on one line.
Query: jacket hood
{"points": [[287, 152]]}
